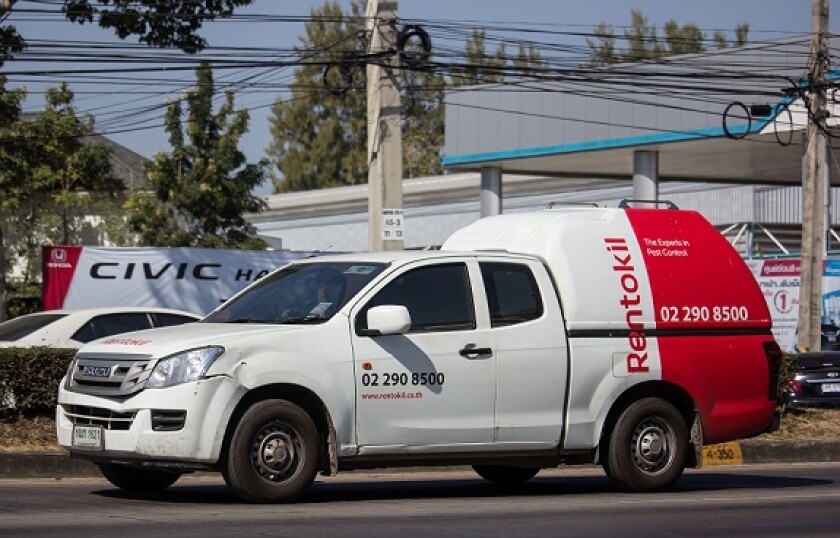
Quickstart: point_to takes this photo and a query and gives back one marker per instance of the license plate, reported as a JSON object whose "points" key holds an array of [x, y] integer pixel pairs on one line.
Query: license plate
{"points": [[831, 387], [88, 437], [96, 371]]}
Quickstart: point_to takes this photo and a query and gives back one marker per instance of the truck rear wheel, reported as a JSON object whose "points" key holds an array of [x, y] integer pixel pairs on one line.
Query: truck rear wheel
{"points": [[648, 446], [273, 454], [139, 481], [506, 475]]}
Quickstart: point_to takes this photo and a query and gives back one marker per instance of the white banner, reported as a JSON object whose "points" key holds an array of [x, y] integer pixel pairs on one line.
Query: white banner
{"points": [[779, 280], [192, 279]]}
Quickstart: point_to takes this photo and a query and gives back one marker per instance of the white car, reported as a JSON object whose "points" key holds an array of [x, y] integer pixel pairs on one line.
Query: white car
{"points": [[72, 328]]}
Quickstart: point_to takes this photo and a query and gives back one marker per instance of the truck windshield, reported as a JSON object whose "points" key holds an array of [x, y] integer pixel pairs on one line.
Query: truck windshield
{"points": [[298, 293]]}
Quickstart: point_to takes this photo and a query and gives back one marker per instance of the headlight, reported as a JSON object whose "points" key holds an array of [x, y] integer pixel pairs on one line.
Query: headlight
{"points": [[183, 367], [70, 368]]}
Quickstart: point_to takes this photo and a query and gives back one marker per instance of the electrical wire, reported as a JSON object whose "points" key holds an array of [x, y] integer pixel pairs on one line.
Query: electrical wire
{"points": [[698, 81]]}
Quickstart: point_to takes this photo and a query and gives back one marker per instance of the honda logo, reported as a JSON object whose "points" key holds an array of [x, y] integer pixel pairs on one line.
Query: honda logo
{"points": [[58, 255]]}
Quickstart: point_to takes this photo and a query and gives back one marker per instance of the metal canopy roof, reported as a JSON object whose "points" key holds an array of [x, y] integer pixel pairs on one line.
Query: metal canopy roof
{"points": [[680, 107], [709, 160]]}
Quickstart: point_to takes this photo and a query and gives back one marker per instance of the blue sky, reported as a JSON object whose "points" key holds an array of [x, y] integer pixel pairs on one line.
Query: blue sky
{"points": [[768, 19]]}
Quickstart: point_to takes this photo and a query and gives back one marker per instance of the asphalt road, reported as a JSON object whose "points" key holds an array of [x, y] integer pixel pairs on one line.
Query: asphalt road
{"points": [[754, 500]]}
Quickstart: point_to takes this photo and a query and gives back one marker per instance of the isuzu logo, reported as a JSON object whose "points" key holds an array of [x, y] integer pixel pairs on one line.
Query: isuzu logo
{"points": [[96, 371]]}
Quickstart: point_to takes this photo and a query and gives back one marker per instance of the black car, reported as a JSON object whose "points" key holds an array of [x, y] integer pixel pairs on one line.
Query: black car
{"points": [[817, 381]]}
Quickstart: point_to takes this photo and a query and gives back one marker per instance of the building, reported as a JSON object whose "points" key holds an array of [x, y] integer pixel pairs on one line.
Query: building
{"points": [[720, 132]]}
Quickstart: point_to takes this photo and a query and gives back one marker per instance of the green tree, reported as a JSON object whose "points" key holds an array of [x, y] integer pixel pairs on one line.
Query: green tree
{"points": [[202, 188], [10, 173], [50, 176], [480, 67], [643, 42], [527, 61], [66, 167], [686, 39], [423, 122], [174, 23], [319, 132], [741, 32]]}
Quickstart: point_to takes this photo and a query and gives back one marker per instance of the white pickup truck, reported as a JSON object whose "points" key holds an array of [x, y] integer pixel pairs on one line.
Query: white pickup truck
{"points": [[625, 337]]}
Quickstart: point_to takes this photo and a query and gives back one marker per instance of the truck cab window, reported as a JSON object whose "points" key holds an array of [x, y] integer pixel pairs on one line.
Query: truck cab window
{"points": [[512, 293], [437, 297]]}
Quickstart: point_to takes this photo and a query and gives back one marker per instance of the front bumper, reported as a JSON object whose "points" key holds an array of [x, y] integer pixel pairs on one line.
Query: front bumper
{"points": [[131, 438]]}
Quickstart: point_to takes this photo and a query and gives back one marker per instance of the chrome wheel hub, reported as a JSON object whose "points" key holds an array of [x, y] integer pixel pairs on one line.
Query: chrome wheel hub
{"points": [[275, 452], [652, 445]]}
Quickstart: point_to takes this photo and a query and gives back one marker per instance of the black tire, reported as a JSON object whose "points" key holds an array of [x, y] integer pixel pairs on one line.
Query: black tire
{"points": [[273, 454], [505, 475], [647, 447], [138, 481]]}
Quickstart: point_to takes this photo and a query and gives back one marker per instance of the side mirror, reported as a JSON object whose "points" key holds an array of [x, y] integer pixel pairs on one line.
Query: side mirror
{"points": [[388, 319]]}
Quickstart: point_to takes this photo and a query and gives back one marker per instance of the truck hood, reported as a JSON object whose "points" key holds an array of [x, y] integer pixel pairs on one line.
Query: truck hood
{"points": [[165, 341]]}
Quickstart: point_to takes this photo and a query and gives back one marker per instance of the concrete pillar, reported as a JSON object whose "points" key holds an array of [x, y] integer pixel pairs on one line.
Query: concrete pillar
{"points": [[646, 175], [491, 191]]}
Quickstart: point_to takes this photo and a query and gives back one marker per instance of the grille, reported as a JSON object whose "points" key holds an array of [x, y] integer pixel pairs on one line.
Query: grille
{"points": [[83, 415], [109, 375]]}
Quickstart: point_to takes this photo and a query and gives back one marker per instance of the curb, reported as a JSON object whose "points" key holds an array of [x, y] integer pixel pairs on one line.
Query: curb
{"points": [[60, 465], [44, 465], [747, 452], [790, 451]]}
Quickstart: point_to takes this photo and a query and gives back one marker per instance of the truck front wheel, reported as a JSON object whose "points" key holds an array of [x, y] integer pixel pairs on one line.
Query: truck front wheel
{"points": [[648, 446], [273, 453]]}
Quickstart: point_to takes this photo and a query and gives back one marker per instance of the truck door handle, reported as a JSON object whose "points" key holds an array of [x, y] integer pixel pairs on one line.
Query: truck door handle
{"points": [[472, 352]]}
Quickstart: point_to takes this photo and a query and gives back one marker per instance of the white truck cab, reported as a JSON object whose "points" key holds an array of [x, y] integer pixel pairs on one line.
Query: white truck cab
{"points": [[589, 335]]}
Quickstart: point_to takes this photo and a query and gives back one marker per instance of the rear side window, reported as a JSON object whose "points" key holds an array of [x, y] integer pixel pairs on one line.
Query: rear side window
{"points": [[437, 297], [17, 328], [512, 293], [110, 324], [167, 320]]}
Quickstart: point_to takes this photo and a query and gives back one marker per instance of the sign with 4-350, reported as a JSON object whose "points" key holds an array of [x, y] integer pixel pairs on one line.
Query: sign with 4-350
{"points": [[723, 454], [403, 379]]}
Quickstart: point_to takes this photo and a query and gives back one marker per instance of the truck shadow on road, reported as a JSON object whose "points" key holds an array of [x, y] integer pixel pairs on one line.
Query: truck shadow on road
{"points": [[384, 488]]}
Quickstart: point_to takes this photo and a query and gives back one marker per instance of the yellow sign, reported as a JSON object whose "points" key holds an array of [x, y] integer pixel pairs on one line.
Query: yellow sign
{"points": [[723, 454]]}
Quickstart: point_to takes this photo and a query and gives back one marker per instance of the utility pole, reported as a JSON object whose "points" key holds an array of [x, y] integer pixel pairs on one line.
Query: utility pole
{"points": [[814, 185], [385, 197]]}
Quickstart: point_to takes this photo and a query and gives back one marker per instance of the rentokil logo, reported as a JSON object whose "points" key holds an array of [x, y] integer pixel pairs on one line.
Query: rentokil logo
{"points": [[631, 301]]}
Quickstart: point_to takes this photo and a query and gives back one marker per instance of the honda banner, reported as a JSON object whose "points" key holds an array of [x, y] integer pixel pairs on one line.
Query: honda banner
{"points": [[192, 279]]}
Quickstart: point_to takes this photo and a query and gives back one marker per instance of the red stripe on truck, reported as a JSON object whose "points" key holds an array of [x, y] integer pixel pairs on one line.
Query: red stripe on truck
{"points": [[698, 281]]}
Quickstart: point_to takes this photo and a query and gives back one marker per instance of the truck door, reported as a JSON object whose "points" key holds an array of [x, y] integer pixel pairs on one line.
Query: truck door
{"points": [[432, 389], [529, 345]]}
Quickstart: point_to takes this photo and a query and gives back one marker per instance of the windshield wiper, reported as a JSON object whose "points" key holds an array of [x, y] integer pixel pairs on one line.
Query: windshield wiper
{"points": [[303, 320], [251, 320]]}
